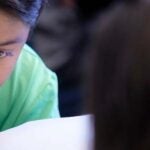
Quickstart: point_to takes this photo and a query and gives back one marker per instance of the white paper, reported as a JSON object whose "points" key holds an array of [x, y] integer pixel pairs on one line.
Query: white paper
{"points": [[71, 133]]}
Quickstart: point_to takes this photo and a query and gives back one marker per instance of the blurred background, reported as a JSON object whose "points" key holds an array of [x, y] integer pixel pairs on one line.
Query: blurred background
{"points": [[61, 39]]}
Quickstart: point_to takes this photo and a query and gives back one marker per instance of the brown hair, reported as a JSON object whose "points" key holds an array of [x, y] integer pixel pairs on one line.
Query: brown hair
{"points": [[120, 78]]}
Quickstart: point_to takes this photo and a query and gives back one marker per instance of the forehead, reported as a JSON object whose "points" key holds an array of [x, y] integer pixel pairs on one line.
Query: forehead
{"points": [[11, 27]]}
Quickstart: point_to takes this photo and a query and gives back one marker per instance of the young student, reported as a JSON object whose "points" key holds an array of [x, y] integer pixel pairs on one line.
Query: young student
{"points": [[120, 77], [28, 90]]}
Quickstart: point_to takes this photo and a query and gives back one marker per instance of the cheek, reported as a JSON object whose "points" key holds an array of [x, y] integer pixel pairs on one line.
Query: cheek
{"points": [[6, 67]]}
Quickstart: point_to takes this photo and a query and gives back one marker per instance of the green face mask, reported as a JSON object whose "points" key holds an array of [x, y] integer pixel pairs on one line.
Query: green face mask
{"points": [[30, 93]]}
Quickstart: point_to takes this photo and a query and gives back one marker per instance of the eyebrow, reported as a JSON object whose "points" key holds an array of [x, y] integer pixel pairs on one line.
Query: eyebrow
{"points": [[10, 42]]}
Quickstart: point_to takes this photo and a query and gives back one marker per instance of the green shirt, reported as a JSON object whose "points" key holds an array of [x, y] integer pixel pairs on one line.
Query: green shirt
{"points": [[30, 93]]}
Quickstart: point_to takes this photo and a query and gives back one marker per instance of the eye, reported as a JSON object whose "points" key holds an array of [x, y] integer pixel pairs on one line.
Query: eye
{"points": [[5, 53]]}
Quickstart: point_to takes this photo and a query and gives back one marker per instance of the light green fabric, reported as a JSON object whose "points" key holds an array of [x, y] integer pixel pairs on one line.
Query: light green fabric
{"points": [[30, 93]]}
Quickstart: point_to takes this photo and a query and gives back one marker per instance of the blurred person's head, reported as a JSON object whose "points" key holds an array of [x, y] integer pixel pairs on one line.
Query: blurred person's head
{"points": [[16, 19], [120, 78]]}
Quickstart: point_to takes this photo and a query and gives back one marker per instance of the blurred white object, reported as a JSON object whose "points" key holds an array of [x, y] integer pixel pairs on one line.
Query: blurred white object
{"points": [[70, 133]]}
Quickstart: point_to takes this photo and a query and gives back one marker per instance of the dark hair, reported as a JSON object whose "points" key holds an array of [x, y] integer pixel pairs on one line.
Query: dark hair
{"points": [[120, 78], [89, 9], [26, 10]]}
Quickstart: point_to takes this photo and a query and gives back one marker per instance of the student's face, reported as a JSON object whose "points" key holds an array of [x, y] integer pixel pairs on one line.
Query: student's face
{"points": [[13, 35]]}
